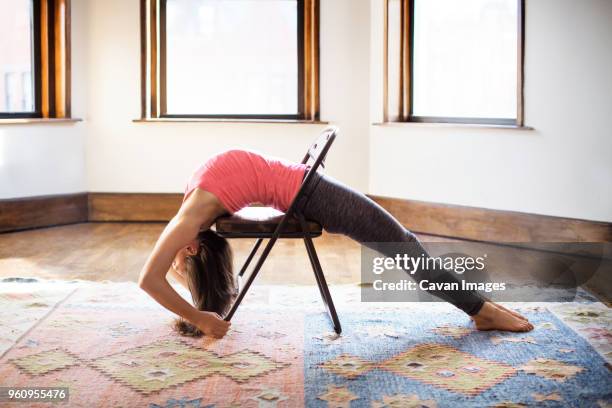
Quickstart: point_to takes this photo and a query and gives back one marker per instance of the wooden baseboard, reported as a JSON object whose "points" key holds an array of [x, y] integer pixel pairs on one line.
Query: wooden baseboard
{"points": [[430, 218], [133, 206], [42, 211], [492, 225]]}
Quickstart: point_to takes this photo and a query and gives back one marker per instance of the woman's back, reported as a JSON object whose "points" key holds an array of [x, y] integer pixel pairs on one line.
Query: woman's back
{"points": [[241, 177]]}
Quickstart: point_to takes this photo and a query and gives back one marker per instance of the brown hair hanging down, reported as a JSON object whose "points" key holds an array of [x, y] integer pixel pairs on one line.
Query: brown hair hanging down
{"points": [[210, 278]]}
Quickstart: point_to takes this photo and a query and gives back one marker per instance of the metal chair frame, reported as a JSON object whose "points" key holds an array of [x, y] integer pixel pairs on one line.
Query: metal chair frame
{"points": [[317, 153]]}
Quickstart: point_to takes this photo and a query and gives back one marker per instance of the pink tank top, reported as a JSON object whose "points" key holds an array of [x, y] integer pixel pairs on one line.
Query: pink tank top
{"points": [[240, 177]]}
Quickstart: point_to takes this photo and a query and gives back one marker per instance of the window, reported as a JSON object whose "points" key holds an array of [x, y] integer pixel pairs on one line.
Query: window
{"points": [[454, 61], [17, 58], [230, 59], [34, 59]]}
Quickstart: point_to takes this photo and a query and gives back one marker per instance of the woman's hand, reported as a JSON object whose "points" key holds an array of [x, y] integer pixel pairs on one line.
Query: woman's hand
{"points": [[211, 324]]}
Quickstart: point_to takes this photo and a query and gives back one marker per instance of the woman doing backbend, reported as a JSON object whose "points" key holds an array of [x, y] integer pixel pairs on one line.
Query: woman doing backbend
{"points": [[201, 260]]}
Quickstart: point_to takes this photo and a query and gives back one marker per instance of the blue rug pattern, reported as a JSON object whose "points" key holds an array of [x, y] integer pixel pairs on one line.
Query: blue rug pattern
{"points": [[403, 359]]}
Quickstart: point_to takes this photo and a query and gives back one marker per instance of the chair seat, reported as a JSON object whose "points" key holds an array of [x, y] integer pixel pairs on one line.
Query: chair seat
{"points": [[261, 222]]}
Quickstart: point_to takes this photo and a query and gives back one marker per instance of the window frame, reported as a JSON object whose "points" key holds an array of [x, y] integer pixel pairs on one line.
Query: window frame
{"points": [[154, 63], [51, 62], [406, 73]]}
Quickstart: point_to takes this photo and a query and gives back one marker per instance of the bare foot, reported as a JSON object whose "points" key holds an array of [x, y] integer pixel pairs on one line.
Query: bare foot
{"points": [[492, 317], [517, 314]]}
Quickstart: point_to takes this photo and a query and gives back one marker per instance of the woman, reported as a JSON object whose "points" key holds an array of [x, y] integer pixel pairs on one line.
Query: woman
{"points": [[201, 260]]}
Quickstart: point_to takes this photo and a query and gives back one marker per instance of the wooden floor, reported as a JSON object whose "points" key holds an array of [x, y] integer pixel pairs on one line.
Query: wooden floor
{"points": [[117, 252]]}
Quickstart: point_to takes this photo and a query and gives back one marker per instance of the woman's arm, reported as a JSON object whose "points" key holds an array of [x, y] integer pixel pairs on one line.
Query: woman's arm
{"points": [[179, 232]]}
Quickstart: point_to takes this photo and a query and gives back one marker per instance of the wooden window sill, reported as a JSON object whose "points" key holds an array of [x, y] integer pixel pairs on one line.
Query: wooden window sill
{"points": [[35, 121], [229, 120], [456, 125]]}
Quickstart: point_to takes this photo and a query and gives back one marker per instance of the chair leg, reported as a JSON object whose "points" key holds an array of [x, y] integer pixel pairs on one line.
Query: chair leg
{"points": [[312, 263], [251, 278], [323, 289], [250, 257], [247, 263]]}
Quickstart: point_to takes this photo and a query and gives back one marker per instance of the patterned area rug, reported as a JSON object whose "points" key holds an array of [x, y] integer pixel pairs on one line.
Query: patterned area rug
{"points": [[113, 346]]}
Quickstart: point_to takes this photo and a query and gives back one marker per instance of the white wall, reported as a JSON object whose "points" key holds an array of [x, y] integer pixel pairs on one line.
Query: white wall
{"points": [[46, 159], [563, 168], [123, 156], [41, 160]]}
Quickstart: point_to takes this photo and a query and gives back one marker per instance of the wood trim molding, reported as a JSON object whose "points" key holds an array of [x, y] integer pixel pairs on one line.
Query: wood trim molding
{"points": [[45, 59], [143, 59], [62, 58], [405, 61], [385, 78], [133, 206], [311, 60], [47, 211], [454, 221], [42, 211], [483, 224], [40, 121], [55, 67], [520, 73], [154, 59]]}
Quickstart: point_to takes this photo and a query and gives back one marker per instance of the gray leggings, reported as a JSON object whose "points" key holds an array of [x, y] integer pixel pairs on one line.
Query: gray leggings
{"points": [[342, 210]]}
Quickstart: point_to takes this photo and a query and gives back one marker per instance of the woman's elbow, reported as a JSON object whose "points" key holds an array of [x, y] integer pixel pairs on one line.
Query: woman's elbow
{"points": [[144, 282]]}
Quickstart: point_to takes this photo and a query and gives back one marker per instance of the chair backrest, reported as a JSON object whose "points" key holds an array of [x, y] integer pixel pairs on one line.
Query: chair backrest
{"points": [[317, 152], [321, 146]]}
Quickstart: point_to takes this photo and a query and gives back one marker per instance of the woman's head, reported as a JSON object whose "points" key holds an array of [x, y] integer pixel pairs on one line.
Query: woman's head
{"points": [[207, 267]]}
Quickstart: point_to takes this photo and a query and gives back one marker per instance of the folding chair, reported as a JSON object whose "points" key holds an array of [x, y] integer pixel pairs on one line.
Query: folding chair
{"points": [[266, 222]]}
